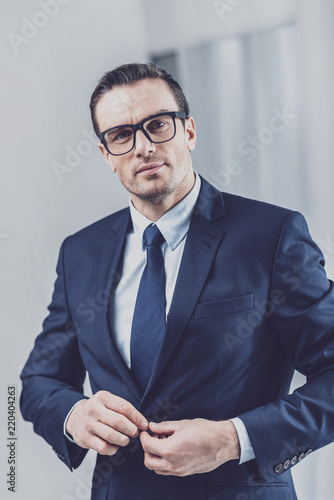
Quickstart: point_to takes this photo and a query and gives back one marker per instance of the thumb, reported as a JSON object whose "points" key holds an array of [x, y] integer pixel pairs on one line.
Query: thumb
{"points": [[163, 427]]}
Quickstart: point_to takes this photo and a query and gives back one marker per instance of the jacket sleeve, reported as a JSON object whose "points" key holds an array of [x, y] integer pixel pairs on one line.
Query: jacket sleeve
{"points": [[53, 376], [284, 431]]}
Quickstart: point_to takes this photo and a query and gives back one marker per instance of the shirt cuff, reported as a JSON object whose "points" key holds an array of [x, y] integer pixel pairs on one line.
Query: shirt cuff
{"points": [[68, 436], [246, 448]]}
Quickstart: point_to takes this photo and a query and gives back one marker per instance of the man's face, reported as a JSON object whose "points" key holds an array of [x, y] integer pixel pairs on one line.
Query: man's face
{"points": [[151, 172]]}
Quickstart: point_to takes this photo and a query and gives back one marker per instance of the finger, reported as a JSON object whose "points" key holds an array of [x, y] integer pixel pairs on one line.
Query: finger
{"points": [[118, 422], [120, 405], [166, 428], [153, 445], [111, 435], [91, 441], [102, 447], [168, 471], [159, 436], [152, 462]]}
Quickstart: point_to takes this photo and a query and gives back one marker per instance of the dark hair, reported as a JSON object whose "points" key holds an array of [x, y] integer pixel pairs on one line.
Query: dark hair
{"points": [[132, 73]]}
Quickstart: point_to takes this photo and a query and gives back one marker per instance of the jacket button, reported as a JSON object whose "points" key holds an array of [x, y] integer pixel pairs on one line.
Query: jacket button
{"points": [[279, 468], [301, 456], [294, 460], [286, 464], [308, 452]]}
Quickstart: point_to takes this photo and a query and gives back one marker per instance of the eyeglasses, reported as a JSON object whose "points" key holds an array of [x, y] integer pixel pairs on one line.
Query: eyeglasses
{"points": [[157, 128]]}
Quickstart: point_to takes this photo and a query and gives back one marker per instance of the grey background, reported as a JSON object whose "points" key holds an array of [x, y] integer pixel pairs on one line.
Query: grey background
{"points": [[236, 65]]}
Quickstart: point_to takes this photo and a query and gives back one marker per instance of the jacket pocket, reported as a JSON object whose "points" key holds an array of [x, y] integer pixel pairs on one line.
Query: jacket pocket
{"points": [[100, 492], [274, 491], [222, 307]]}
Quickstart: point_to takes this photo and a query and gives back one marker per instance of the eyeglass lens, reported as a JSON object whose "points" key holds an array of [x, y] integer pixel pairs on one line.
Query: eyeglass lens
{"points": [[159, 129]]}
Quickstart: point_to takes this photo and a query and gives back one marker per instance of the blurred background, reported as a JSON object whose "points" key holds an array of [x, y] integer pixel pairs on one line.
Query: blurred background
{"points": [[259, 77]]}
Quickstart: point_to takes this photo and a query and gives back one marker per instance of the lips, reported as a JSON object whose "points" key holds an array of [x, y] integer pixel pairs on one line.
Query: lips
{"points": [[149, 168]]}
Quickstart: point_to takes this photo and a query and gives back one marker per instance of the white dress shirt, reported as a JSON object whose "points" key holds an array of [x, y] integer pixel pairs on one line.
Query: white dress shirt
{"points": [[174, 226]]}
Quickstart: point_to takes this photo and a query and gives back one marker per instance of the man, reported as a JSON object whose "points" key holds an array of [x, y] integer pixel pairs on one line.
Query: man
{"points": [[190, 311]]}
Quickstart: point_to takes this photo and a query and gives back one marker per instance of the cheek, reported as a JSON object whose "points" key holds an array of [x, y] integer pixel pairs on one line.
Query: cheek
{"points": [[124, 174], [182, 156], [119, 166]]}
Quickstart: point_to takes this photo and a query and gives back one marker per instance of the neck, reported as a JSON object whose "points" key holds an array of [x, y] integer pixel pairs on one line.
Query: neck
{"points": [[152, 211]]}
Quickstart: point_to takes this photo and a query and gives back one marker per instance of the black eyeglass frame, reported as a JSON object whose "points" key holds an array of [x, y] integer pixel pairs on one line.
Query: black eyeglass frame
{"points": [[140, 126]]}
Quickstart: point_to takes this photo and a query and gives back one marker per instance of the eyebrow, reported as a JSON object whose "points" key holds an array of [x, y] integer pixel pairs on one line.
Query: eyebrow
{"points": [[152, 114]]}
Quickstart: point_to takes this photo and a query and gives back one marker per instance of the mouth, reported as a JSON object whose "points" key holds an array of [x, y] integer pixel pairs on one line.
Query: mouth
{"points": [[149, 168]]}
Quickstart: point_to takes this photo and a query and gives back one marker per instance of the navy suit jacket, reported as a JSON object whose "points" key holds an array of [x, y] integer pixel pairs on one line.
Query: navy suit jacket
{"points": [[251, 304]]}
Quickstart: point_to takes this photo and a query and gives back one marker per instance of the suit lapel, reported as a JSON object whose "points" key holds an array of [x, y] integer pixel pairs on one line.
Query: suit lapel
{"points": [[106, 283], [203, 240]]}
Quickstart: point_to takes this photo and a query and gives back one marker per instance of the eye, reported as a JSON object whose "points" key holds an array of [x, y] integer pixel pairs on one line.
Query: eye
{"points": [[157, 124], [121, 135]]}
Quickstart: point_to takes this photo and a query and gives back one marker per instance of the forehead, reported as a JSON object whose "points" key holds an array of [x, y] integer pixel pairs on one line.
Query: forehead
{"points": [[133, 103]]}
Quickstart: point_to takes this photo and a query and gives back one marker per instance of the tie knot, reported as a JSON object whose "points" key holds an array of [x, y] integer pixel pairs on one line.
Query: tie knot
{"points": [[152, 236]]}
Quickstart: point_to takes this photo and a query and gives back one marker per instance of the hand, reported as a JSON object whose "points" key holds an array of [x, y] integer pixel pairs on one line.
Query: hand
{"points": [[104, 423], [186, 447]]}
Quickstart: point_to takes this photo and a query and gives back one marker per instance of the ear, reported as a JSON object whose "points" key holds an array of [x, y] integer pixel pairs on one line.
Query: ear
{"points": [[107, 157], [190, 132]]}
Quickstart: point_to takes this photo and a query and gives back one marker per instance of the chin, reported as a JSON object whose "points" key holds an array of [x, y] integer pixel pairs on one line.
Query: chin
{"points": [[154, 196]]}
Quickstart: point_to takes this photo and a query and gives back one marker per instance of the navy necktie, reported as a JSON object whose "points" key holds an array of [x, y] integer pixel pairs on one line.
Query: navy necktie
{"points": [[149, 318]]}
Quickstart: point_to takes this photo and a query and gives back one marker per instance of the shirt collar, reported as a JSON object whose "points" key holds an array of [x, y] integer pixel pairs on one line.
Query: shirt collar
{"points": [[174, 224]]}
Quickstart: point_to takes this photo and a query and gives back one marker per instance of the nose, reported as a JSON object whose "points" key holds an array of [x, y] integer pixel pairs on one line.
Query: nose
{"points": [[143, 146]]}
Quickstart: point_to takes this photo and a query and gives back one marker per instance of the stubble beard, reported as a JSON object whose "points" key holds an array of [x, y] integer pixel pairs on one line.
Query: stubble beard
{"points": [[155, 190], [152, 195]]}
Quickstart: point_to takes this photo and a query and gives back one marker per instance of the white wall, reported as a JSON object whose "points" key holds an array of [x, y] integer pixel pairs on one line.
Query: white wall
{"points": [[187, 22], [317, 48], [44, 108]]}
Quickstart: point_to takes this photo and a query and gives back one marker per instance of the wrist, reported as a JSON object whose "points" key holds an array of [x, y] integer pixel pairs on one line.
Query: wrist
{"points": [[228, 440], [70, 421]]}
